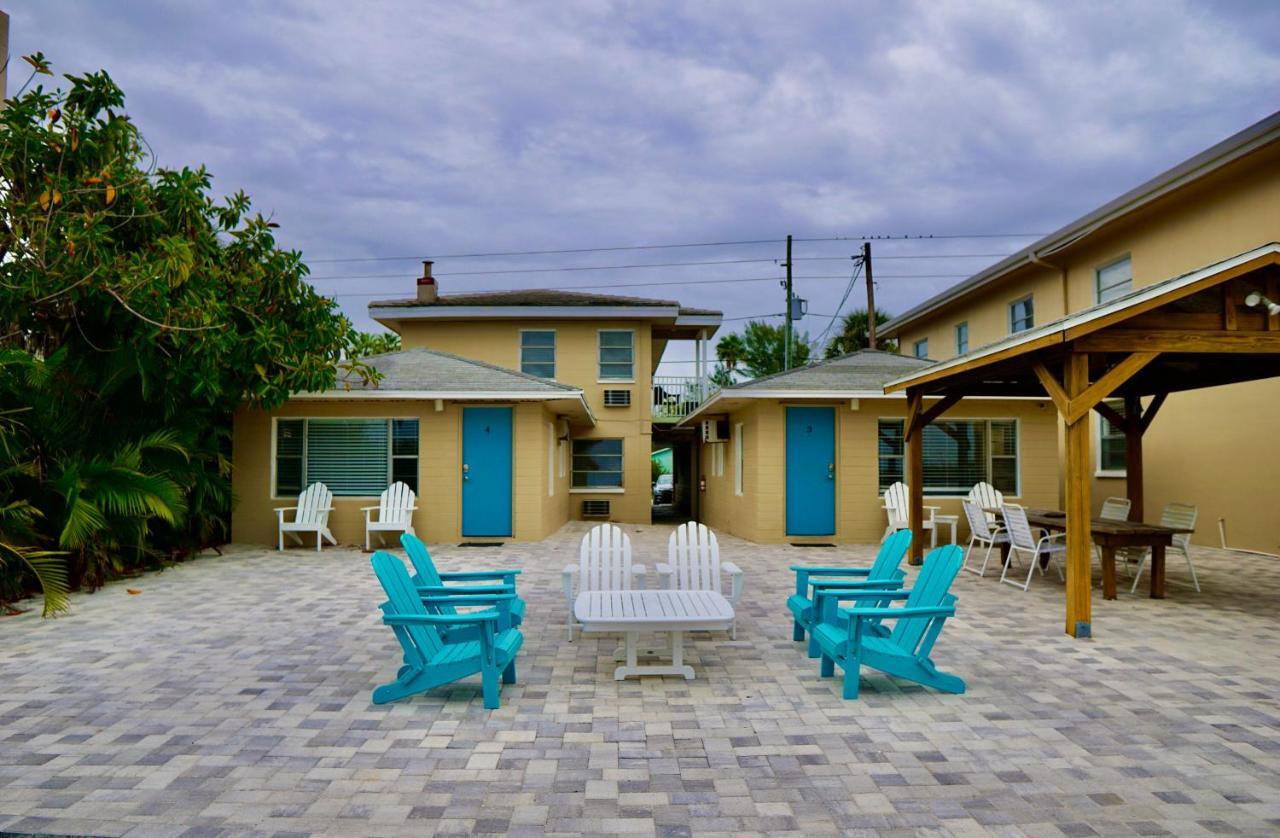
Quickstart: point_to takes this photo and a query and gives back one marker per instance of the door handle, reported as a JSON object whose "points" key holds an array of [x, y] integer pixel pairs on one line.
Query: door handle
{"points": [[466, 469], [831, 471]]}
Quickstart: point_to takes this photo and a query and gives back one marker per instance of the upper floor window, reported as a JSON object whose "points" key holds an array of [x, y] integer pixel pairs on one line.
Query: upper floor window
{"points": [[353, 457], [962, 338], [1114, 280], [1021, 315], [921, 348], [538, 353], [617, 355]]}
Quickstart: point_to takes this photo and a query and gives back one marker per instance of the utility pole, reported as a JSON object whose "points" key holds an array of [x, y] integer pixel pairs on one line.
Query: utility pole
{"points": [[786, 323], [871, 295]]}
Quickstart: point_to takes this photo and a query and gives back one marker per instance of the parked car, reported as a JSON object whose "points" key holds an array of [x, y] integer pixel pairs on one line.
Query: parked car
{"points": [[663, 489]]}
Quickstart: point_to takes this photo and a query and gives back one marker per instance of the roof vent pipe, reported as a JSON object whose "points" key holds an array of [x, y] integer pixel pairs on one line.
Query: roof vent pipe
{"points": [[427, 289]]}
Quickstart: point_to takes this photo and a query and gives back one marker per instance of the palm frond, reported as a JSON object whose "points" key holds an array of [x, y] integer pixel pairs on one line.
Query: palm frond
{"points": [[50, 570]]}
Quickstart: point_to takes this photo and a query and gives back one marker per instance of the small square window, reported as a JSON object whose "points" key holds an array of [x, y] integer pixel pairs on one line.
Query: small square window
{"points": [[617, 355], [921, 348], [538, 353], [1114, 280], [962, 338]]}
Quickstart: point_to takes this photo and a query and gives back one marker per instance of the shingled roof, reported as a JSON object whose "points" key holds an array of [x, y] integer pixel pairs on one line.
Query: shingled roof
{"points": [[864, 370], [426, 370], [542, 297]]}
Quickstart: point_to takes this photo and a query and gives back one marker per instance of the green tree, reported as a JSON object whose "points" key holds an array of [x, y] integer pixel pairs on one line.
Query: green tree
{"points": [[366, 344], [762, 349], [137, 312], [853, 334]]}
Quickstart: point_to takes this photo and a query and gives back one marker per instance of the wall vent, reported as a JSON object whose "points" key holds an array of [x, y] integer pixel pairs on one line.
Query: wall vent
{"points": [[617, 398], [595, 509]]}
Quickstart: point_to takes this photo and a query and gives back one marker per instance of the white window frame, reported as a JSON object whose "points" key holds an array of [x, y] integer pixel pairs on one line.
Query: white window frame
{"points": [[275, 434], [1098, 470], [737, 459], [555, 364], [1097, 279], [1017, 449], [916, 346], [965, 326], [600, 379], [1029, 298]]}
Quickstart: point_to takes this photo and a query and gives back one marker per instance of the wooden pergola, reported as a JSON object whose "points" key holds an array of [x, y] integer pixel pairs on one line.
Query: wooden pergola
{"points": [[1189, 332]]}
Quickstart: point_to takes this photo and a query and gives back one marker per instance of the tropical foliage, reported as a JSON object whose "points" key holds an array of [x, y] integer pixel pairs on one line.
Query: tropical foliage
{"points": [[757, 351], [853, 334], [365, 344], [137, 312]]}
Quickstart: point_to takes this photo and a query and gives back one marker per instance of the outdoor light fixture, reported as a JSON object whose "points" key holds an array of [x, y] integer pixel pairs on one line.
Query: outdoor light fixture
{"points": [[1255, 299]]}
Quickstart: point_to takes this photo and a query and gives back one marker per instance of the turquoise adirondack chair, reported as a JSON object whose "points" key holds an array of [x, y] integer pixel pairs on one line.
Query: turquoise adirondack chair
{"points": [[854, 637], [432, 582], [884, 574], [431, 660]]}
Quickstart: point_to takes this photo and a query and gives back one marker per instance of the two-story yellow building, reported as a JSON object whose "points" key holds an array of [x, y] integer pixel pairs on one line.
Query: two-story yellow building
{"points": [[508, 413], [1210, 450]]}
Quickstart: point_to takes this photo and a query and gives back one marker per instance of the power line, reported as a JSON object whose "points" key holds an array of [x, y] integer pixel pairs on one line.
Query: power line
{"points": [[551, 252], [581, 268], [904, 256], [621, 248], [371, 294]]}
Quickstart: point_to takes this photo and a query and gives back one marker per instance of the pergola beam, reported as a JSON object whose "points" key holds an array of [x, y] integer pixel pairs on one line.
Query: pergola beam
{"points": [[1168, 340], [1083, 402], [1079, 513]]}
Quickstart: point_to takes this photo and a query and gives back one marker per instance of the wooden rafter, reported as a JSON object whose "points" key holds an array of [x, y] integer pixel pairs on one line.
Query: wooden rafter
{"points": [[1112, 415], [1229, 321], [1151, 411], [919, 420], [1052, 387], [1105, 386]]}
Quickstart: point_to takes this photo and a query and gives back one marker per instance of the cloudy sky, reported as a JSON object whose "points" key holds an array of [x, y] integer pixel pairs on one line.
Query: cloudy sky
{"points": [[378, 130]]}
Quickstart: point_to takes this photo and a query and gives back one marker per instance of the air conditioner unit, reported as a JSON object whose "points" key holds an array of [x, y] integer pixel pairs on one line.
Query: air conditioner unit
{"points": [[715, 430], [617, 398], [595, 509]]}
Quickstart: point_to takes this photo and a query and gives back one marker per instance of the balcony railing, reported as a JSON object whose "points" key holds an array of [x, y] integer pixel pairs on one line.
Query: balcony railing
{"points": [[676, 396]]}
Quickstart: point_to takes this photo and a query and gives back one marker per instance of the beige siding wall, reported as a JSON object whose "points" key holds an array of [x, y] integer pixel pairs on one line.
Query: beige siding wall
{"points": [[439, 517], [498, 343], [760, 514], [1199, 448]]}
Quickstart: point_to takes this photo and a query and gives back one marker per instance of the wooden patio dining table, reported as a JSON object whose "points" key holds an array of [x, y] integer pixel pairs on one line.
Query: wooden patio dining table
{"points": [[1110, 536]]}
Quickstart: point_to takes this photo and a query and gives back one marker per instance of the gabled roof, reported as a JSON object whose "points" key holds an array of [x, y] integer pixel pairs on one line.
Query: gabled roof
{"points": [[858, 375], [1233, 148], [1092, 319], [425, 374]]}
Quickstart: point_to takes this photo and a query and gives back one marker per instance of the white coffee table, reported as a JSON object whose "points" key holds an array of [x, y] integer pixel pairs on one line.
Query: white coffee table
{"points": [[635, 612]]}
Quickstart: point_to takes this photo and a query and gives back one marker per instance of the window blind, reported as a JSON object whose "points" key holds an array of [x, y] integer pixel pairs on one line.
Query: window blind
{"points": [[350, 456], [957, 454]]}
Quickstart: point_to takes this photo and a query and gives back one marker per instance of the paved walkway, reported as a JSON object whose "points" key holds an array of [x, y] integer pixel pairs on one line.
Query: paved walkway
{"points": [[232, 694]]}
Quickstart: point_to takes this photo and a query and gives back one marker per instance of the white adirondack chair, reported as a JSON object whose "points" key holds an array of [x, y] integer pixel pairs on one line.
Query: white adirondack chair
{"points": [[604, 564], [981, 533], [1179, 515], [395, 513], [693, 564], [310, 515], [897, 506], [1023, 540], [987, 497]]}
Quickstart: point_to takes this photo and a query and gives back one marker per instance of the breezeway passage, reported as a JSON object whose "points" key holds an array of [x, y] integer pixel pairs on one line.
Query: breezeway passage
{"points": [[233, 694]]}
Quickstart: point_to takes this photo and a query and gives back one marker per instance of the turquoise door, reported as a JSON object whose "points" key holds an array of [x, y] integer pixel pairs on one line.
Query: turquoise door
{"points": [[486, 471], [811, 471]]}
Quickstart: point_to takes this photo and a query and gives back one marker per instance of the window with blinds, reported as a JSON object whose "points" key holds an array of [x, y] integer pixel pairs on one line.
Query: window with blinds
{"points": [[1112, 460], [617, 354], [957, 454], [1114, 280], [353, 457], [597, 463]]}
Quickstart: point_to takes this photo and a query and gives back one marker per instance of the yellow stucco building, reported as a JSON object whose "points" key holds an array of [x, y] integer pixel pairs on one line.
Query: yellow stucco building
{"points": [[1204, 448], [508, 413]]}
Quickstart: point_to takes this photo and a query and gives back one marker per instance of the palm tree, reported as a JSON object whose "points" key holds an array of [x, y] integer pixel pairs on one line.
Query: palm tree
{"points": [[730, 350], [853, 334]]}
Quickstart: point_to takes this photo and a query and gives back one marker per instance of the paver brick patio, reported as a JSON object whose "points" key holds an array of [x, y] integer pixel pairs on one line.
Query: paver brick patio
{"points": [[232, 695]]}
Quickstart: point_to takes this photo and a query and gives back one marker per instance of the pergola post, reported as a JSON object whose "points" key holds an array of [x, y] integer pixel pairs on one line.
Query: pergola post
{"points": [[915, 473], [1133, 455], [1079, 513]]}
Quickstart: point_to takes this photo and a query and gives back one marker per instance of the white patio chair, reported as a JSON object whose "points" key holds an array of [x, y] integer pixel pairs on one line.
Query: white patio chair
{"points": [[981, 533], [987, 498], [1182, 516], [604, 564], [310, 515], [1023, 540], [693, 564], [395, 513], [897, 501]]}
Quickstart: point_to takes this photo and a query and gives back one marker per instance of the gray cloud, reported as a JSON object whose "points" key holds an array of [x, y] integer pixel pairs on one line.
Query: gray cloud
{"points": [[409, 128]]}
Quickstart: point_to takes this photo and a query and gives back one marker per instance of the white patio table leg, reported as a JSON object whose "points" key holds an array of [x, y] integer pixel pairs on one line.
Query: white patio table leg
{"points": [[677, 656]]}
